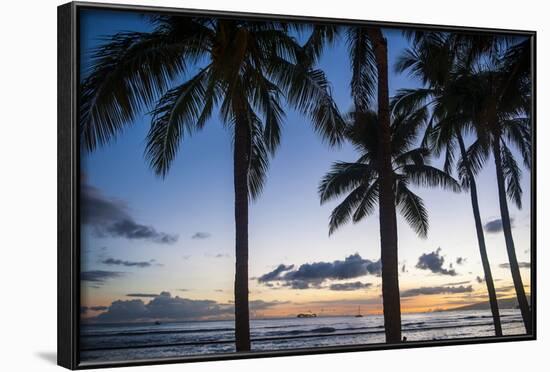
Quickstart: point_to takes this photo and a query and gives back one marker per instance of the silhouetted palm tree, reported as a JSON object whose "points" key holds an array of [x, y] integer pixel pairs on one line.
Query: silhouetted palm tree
{"points": [[242, 68], [437, 59], [500, 102], [492, 98], [368, 52], [360, 182]]}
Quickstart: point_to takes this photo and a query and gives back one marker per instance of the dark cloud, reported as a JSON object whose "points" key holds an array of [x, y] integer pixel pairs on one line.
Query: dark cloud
{"points": [[505, 289], [495, 226], [99, 276], [312, 275], [166, 307], [350, 286], [112, 261], [275, 274], [522, 265], [144, 295], [201, 235], [436, 290], [434, 262], [460, 260], [457, 283], [110, 217], [85, 309]]}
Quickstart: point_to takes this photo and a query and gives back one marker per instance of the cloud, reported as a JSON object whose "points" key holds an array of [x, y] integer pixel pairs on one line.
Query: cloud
{"points": [[436, 290], [110, 217], [505, 289], [434, 262], [495, 226], [274, 275], [457, 283], [166, 307], [144, 295], [99, 276], [85, 309], [112, 261], [312, 275], [201, 235], [350, 286], [522, 265], [460, 260]]}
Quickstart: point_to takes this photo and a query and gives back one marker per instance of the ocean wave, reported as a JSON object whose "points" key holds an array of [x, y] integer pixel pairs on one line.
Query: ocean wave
{"points": [[156, 332]]}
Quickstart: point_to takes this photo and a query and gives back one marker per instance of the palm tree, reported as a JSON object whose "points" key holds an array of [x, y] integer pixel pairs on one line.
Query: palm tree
{"points": [[437, 59], [361, 181], [368, 52], [244, 68], [491, 97], [500, 104]]}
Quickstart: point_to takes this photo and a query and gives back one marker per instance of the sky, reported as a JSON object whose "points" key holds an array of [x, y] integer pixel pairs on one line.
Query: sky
{"points": [[164, 248]]}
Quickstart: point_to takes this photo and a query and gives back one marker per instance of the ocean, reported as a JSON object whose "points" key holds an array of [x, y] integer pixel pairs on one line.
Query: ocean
{"points": [[121, 342]]}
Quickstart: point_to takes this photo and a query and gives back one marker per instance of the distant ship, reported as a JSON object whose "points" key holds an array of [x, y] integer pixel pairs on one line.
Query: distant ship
{"points": [[307, 315], [157, 322], [358, 315]]}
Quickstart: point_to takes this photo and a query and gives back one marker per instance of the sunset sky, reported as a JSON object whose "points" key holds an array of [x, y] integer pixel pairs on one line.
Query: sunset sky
{"points": [[164, 248]]}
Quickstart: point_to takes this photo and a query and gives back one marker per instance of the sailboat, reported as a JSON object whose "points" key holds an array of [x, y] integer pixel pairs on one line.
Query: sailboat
{"points": [[358, 315]]}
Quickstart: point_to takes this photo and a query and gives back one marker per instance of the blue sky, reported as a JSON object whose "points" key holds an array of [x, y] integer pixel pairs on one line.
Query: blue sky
{"points": [[287, 224]]}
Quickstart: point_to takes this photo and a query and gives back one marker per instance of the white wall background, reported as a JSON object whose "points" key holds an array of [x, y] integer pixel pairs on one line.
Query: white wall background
{"points": [[28, 183]]}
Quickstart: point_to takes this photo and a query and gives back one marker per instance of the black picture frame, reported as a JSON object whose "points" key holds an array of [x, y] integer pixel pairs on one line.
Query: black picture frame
{"points": [[68, 251]]}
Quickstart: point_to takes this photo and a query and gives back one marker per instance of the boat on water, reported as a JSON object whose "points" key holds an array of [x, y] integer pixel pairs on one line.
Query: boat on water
{"points": [[307, 315], [358, 315]]}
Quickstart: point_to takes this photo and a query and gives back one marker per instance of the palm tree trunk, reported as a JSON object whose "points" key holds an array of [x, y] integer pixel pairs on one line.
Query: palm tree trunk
{"points": [[240, 164], [507, 229], [388, 219], [481, 242]]}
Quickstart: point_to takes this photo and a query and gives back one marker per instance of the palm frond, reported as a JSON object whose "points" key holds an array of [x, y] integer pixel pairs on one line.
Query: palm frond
{"points": [[129, 72], [344, 211], [176, 114], [258, 155], [321, 37], [409, 100], [518, 132], [342, 178], [428, 176], [309, 91], [363, 67], [367, 206], [512, 175], [476, 156], [266, 97], [412, 208], [417, 156]]}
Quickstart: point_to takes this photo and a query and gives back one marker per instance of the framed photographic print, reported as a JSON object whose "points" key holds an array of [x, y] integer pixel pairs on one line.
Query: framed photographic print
{"points": [[237, 185]]}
